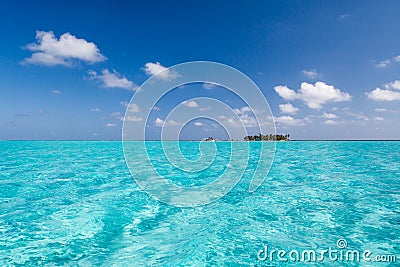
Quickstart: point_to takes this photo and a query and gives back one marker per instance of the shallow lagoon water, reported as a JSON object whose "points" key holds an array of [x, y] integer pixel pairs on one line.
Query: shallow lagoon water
{"points": [[75, 203]]}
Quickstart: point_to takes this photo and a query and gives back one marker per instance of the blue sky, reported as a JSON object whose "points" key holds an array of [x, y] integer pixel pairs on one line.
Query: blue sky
{"points": [[329, 70]]}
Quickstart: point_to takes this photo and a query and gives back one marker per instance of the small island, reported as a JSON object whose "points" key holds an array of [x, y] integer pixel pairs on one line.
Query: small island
{"points": [[259, 137], [268, 137]]}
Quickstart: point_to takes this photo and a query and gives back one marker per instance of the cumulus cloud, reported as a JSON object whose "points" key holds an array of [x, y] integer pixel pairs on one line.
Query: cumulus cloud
{"points": [[288, 108], [95, 109], [160, 122], [379, 118], [311, 74], [130, 118], [383, 95], [358, 116], [245, 115], [390, 93], [56, 92], [234, 123], [113, 80], [131, 107], [111, 125], [197, 123], [393, 85], [387, 62], [242, 110], [383, 63], [330, 122], [163, 73], [313, 95], [244, 120], [50, 51], [285, 92], [190, 104], [380, 110], [248, 120], [288, 120], [329, 116], [208, 86]]}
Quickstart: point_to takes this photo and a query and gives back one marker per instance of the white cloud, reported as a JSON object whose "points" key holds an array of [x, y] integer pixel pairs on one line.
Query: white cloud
{"points": [[311, 74], [358, 116], [56, 92], [160, 122], [156, 108], [329, 116], [131, 107], [288, 120], [95, 109], [50, 51], [285, 92], [380, 110], [393, 85], [386, 62], [115, 114], [44, 59], [172, 123], [113, 80], [330, 122], [288, 108], [190, 104], [208, 86], [248, 121], [313, 95], [111, 125], [383, 95], [130, 118], [197, 123], [383, 63], [163, 72], [379, 118], [244, 120], [241, 111], [233, 122]]}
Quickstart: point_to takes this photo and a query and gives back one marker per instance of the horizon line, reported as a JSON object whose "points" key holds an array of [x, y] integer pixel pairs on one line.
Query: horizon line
{"points": [[119, 140]]}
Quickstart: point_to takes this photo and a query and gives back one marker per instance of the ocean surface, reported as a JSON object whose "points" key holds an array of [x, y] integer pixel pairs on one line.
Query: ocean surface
{"points": [[74, 203]]}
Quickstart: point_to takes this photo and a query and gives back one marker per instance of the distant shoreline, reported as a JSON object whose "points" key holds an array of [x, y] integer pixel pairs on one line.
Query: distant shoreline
{"points": [[297, 140]]}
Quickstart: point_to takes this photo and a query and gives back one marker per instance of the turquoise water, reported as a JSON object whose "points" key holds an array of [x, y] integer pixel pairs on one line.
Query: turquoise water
{"points": [[75, 203]]}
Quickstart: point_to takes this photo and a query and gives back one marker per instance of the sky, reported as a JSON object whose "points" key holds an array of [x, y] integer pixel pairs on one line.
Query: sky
{"points": [[328, 69]]}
